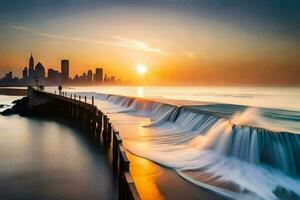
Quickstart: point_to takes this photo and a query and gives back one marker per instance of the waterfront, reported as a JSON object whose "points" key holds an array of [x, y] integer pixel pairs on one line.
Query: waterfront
{"points": [[271, 97], [201, 142], [147, 132]]}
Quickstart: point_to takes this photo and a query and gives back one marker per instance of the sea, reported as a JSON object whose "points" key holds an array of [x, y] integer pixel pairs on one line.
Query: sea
{"points": [[236, 142]]}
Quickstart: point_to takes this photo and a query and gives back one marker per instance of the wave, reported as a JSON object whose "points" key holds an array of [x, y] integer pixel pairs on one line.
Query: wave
{"points": [[240, 147]]}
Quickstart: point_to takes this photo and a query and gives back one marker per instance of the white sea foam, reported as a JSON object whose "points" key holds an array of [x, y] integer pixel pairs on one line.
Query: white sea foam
{"points": [[244, 149]]}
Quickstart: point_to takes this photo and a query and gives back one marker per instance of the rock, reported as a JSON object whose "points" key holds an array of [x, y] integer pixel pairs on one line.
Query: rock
{"points": [[19, 107], [36, 105]]}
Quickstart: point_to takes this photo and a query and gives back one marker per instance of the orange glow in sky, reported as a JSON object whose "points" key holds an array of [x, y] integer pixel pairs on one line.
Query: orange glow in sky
{"points": [[179, 47]]}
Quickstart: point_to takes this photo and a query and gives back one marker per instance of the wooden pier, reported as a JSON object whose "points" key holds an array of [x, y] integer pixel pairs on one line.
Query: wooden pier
{"points": [[97, 126]]}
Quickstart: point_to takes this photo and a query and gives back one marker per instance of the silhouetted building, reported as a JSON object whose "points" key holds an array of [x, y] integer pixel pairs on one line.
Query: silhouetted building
{"points": [[31, 67], [8, 76], [65, 73], [99, 75], [76, 78], [53, 76], [113, 79], [32, 73], [25, 73], [90, 76], [83, 78], [40, 73]]}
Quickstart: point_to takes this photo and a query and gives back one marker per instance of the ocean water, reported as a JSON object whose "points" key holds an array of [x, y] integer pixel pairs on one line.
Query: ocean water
{"points": [[269, 97], [242, 143], [237, 142], [46, 160]]}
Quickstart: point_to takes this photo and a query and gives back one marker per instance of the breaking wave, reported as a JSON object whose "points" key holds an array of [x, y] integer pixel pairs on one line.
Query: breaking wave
{"points": [[243, 148]]}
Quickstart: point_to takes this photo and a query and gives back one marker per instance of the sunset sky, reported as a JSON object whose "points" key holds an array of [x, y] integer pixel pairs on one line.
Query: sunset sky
{"points": [[191, 42]]}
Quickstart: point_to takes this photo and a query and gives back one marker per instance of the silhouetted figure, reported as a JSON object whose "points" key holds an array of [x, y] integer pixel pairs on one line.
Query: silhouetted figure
{"points": [[41, 87], [59, 89]]}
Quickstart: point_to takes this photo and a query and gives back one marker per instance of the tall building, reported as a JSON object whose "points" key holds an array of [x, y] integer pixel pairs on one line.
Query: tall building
{"points": [[8, 76], [53, 76], [31, 67], [65, 73], [40, 73], [99, 75], [25, 73], [90, 76]]}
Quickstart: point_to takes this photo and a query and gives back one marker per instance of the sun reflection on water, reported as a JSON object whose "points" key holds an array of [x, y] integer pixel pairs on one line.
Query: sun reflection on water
{"points": [[140, 91], [145, 175]]}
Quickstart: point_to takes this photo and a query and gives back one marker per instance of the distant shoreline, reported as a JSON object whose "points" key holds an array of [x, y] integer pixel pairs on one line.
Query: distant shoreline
{"points": [[13, 92]]}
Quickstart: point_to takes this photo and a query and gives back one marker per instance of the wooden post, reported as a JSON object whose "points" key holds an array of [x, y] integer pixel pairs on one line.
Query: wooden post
{"points": [[84, 99], [104, 133], [130, 191], [76, 115], [84, 119], [117, 141], [81, 117], [71, 111], [92, 100], [68, 110], [100, 121], [123, 161], [75, 96], [93, 121], [109, 128], [79, 98], [88, 120], [99, 124], [123, 167]]}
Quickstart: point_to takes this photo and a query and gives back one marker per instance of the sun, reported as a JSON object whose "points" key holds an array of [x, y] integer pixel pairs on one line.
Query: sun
{"points": [[141, 69]]}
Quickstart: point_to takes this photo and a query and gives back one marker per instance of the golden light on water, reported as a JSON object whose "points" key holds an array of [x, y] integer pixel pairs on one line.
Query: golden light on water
{"points": [[140, 91]]}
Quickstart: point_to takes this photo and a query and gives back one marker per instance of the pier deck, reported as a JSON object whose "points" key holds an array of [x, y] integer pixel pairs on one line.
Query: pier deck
{"points": [[95, 125]]}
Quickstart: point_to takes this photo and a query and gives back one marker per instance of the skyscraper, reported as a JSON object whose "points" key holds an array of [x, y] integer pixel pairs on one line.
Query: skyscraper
{"points": [[90, 76], [65, 71], [99, 75], [25, 73], [31, 67]]}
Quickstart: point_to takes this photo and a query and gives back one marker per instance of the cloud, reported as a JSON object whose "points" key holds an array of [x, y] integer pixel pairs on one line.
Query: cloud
{"points": [[188, 54], [117, 41], [136, 44]]}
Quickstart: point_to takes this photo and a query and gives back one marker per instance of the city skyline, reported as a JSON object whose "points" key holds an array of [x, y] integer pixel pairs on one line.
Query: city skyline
{"points": [[193, 42], [36, 74]]}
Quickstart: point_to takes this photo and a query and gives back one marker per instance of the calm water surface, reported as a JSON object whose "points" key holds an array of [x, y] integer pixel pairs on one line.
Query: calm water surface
{"points": [[46, 160]]}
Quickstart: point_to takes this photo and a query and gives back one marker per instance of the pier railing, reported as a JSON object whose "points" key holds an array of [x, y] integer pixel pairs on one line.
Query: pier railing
{"points": [[98, 127]]}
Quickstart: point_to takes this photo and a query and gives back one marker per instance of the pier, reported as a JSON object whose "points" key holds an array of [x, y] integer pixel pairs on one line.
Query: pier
{"points": [[95, 125]]}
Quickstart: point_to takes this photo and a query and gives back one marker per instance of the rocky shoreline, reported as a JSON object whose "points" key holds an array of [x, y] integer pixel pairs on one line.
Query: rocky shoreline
{"points": [[19, 107], [34, 106]]}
